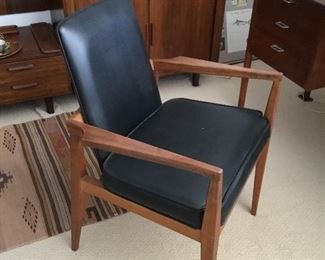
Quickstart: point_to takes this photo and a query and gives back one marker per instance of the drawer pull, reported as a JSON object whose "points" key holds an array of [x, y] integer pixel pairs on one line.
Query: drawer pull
{"points": [[20, 68], [282, 25], [289, 1], [276, 48], [24, 86]]}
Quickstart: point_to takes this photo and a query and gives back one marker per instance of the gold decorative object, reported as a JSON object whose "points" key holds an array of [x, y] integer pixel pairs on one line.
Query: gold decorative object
{"points": [[5, 50], [9, 48]]}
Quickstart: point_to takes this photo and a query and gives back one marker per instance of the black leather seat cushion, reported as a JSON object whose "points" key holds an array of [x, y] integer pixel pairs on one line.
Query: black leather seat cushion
{"points": [[229, 137]]}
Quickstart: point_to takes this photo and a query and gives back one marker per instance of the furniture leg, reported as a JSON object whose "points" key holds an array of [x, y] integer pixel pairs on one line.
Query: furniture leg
{"points": [[244, 81], [195, 80], [49, 105], [209, 249], [77, 210], [211, 226], [306, 96], [259, 174], [78, 197]]}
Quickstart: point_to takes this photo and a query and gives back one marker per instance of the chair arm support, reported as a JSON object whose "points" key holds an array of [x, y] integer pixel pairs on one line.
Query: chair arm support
{"points": [[192, 65], [105, 140]]}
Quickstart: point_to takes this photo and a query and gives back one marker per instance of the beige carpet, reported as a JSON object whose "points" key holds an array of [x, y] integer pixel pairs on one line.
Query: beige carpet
{"points": [[291, 218]]}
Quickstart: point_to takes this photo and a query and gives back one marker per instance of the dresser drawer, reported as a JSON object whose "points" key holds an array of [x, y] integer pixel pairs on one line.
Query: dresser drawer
{"points": [[301, 15], [280, 56], [33, 79], [286, 31]]}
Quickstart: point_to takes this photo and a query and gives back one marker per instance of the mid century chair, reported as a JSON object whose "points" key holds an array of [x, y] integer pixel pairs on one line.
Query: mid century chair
{"points": [[182, 163]]}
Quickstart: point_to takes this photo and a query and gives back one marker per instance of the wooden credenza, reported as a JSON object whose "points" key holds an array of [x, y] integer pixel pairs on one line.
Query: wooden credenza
{"points": [[175, 27], [37, 71], [289, 35]]}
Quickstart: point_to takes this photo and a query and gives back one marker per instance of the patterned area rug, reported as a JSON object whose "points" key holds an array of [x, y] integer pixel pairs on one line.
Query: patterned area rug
{"points": [[34, 183]]}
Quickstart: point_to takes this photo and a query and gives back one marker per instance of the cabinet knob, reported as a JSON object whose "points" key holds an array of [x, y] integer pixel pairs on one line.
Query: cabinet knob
{"points": [[282, 25], [277, 48]]}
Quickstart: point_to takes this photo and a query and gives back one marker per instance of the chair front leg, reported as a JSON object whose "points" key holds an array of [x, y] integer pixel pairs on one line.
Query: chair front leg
{"points": [[259, 174], [78, 197], [211, 226]]}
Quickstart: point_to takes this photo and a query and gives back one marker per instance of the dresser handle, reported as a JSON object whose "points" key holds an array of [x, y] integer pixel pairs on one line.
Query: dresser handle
{"points": [[276, 48], [282, 25], [24, 86], [289, 1], [20, 68]]}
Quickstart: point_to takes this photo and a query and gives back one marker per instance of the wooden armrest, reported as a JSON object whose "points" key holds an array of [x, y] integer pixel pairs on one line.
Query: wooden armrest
{"points": [[191, 65], [105, 140], [185, 64]]}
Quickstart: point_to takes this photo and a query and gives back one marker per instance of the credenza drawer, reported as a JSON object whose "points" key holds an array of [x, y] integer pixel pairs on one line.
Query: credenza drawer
{"points": [[280, 56], [32, 70], [39, 78], [29, 89]]}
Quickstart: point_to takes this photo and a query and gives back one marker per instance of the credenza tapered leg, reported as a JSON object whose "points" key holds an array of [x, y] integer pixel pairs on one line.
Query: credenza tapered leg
{"points": [[195, 80], [306, 96], [49, 105]]}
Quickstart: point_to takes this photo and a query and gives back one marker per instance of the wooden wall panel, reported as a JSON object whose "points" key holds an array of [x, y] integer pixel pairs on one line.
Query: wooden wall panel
{"points": [[83, 3], [217, 31], [2, 7], [141, 8], [181, 28], [55, 4]]}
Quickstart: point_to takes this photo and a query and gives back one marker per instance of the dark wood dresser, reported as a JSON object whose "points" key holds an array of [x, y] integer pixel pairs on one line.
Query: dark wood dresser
{"points": [[37, 71], [289, 35]]}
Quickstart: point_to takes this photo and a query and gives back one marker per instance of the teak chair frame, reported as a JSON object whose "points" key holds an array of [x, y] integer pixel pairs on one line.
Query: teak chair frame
{"points": [[82, 134]]}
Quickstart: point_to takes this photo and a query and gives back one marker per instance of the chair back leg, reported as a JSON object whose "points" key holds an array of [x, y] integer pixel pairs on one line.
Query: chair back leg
{"points": [[244, 81], [259, 174]]}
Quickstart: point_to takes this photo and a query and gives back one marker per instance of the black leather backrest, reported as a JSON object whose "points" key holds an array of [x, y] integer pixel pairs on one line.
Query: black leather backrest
{"points": [[109, 66]]}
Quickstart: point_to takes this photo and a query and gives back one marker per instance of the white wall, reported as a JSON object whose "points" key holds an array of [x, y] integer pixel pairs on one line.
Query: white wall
{"points": [[25, 19]]}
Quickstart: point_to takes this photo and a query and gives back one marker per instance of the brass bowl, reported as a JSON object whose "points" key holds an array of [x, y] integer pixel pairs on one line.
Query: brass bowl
{"points": [[6, 49]]}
